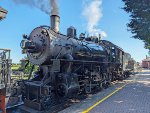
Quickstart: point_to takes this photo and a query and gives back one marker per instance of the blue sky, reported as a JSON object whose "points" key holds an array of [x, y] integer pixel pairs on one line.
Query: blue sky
{"points": [[22, 19]]}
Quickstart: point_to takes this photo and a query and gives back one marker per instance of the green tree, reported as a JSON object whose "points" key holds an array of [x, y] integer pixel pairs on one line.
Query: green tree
{"points": [[139, 24]]}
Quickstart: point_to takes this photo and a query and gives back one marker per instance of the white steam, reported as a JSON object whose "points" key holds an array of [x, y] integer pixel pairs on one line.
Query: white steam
{"points": [[93, 14], [46, 6]]}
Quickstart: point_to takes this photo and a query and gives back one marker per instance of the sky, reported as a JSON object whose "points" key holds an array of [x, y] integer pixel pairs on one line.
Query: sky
{"points": [[22, 19]]}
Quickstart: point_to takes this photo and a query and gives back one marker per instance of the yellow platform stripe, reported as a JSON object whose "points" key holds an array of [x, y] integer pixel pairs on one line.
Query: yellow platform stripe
{"points": [[97, 103]]}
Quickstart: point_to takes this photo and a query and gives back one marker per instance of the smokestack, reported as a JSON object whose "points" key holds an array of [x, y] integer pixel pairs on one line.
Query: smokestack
{"points": [[55, 19], [55, 22]]}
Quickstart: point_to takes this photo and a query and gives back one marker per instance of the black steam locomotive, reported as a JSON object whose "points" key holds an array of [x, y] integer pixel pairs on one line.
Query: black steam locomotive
{"points": [[68, 66]]}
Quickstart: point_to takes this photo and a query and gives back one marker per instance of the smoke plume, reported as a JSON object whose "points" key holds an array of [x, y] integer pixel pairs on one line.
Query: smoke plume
{"points": [[54, 7], [93, 14], [44, 5]]}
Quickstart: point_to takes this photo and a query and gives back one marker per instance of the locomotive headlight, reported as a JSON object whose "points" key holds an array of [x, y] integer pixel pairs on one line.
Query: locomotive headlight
{"points": [[25, 44], [22, 44], [28, 46]]}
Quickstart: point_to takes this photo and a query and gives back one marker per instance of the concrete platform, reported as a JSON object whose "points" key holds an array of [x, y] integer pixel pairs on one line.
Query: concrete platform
{"points": [[92, 99], [129, 96]]}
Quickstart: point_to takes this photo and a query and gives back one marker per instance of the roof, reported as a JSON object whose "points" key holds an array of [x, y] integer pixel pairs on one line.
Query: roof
{"points": [[3, 13], [147, 59], [3, 10], [106, 42]]}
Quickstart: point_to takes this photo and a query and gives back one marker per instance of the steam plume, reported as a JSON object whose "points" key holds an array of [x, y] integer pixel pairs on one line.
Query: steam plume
{"points": [[93, 13], [43, 5]]}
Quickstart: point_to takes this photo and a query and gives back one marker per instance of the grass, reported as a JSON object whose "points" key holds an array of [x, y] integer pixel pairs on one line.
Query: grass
{"points": [[15, 67], [17, 77]]}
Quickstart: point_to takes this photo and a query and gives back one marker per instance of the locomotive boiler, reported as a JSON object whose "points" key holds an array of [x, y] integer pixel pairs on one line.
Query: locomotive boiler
{"points": [[44, 44]]}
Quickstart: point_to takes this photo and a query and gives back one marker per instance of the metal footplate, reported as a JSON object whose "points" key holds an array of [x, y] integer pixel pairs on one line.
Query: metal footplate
{"points": [[33, 105]]}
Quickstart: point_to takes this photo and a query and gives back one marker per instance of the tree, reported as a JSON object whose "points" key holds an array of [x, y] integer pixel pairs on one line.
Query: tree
{"points": [[139, 24]]}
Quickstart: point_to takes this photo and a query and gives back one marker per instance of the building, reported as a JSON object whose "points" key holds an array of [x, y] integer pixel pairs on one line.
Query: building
{"points": [[3, 13], [146, 62]]}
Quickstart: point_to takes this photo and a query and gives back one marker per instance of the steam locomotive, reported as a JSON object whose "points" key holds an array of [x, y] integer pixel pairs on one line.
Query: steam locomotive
{"points": [[68, 66]]}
